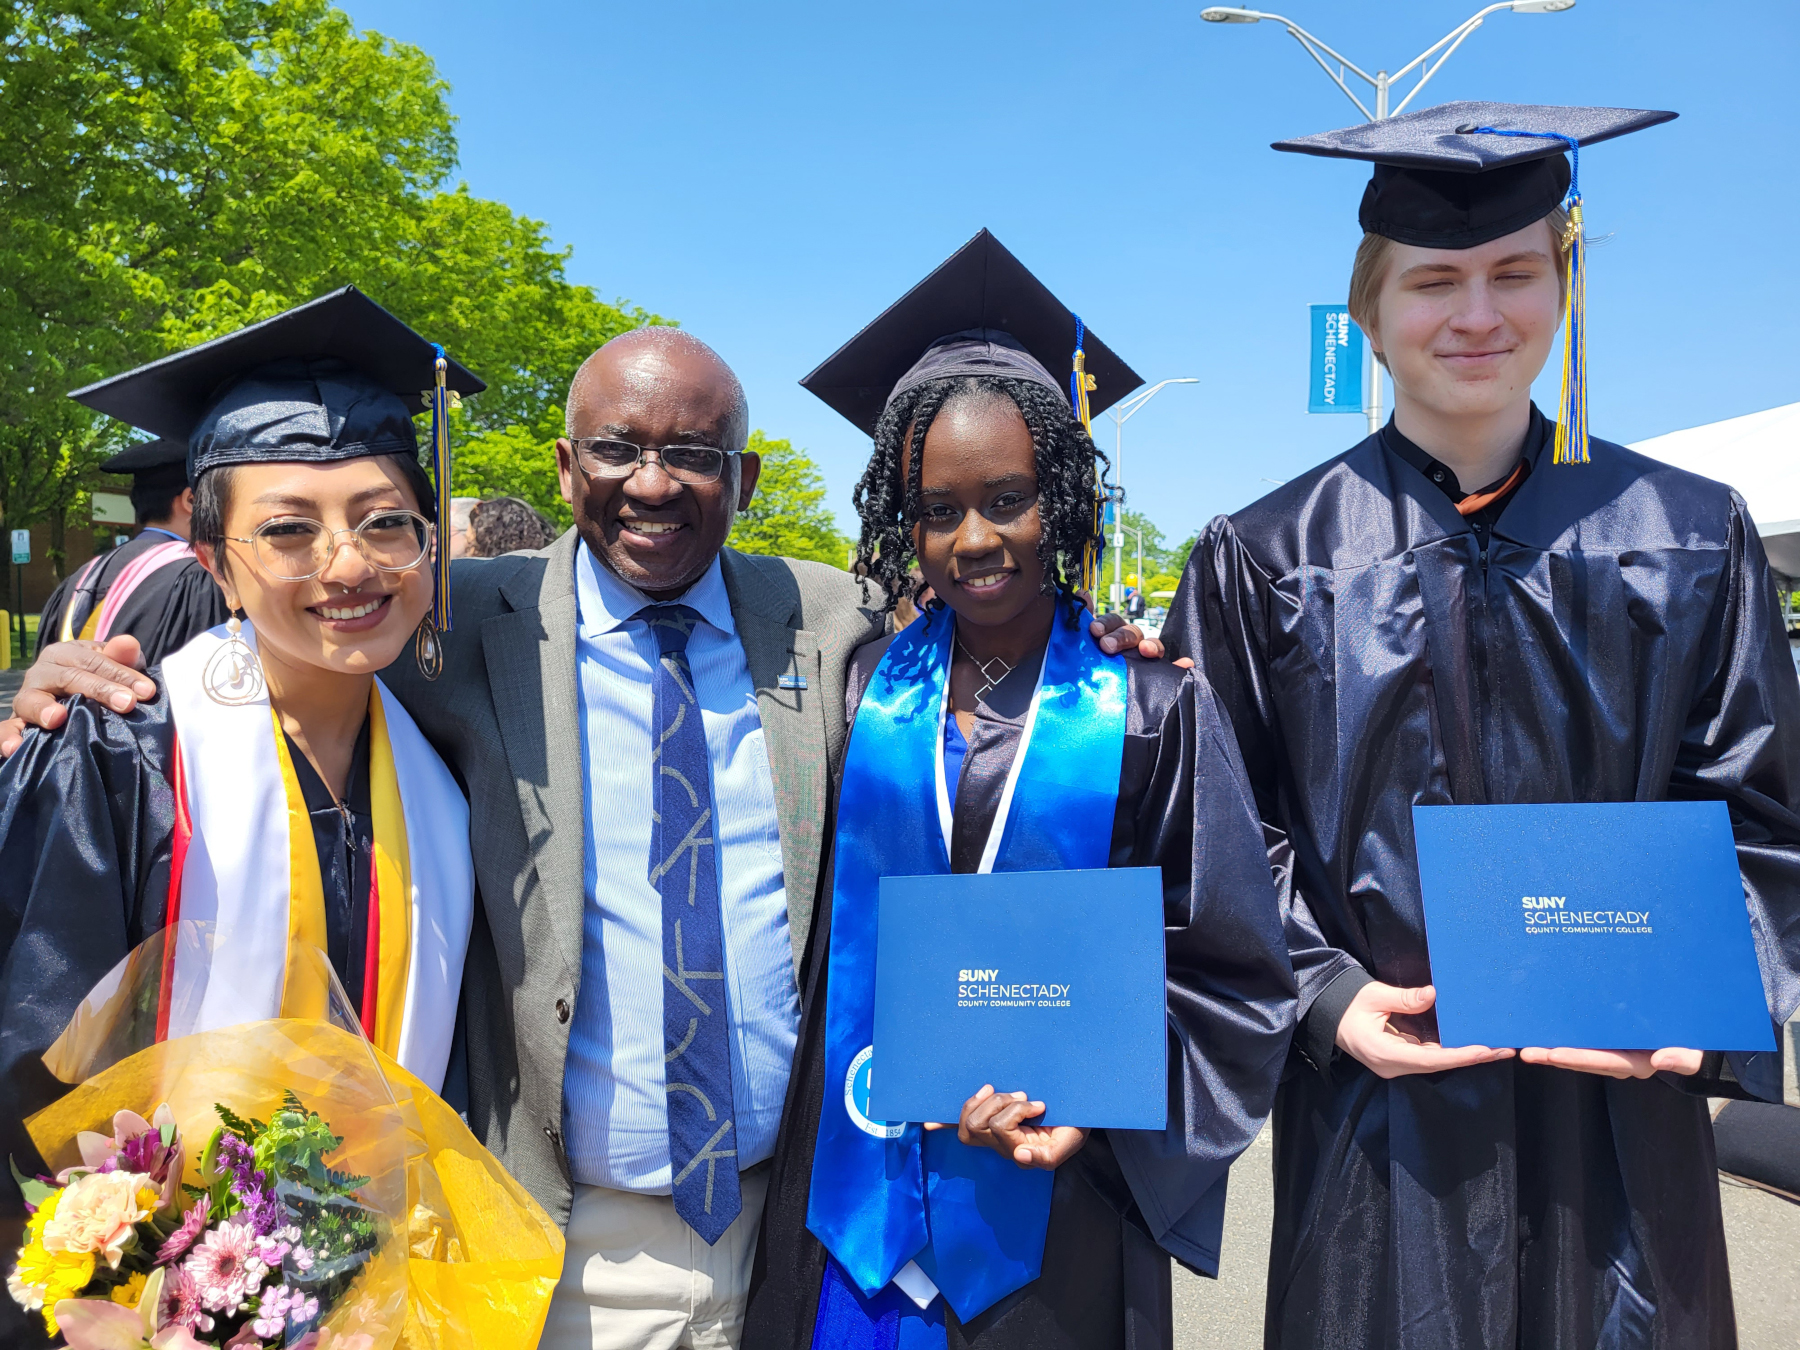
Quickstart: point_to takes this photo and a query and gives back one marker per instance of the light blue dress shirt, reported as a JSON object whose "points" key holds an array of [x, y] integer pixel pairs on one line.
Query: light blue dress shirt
{"points": [[615, 1117]]}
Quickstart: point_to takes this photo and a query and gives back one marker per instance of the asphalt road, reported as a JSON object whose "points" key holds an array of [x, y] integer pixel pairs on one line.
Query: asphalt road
{"points": [[1762, 1231]]}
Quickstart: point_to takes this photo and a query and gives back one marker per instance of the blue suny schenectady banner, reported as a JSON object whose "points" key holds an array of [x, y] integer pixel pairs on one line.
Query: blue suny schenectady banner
{"points": [[1337, 361]]}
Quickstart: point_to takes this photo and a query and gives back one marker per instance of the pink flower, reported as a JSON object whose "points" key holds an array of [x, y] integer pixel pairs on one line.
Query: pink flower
{"points": [[100, 1324], [281, 1305], [226, 1267], [97, 1212], [176, 1245], [181, 1301]]}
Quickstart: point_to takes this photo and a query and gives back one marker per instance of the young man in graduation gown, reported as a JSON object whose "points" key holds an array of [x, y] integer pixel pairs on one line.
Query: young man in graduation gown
{"points": [[151, 587], [991, 734], [1477, 605]]}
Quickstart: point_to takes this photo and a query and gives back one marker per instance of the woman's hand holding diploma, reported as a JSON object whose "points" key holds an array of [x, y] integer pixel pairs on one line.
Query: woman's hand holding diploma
{"points": [[1001, 1121]]}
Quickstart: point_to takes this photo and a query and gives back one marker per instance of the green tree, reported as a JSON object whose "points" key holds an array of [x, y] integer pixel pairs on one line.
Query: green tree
{"points": [[173, 169], [512, 461], [788, 515]]}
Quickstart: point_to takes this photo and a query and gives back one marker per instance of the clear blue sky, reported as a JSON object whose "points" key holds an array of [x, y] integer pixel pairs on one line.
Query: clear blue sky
{"points": [[773, 175]]}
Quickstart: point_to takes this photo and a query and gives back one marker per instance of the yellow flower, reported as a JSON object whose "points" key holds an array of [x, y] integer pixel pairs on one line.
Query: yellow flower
{"points": [[149, 1198], [45, 1212], [131, 1291], [48, 1277]]}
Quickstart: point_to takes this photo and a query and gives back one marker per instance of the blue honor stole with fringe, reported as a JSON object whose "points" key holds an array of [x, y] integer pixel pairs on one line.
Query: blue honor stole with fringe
{"points": [[886, 1194]]}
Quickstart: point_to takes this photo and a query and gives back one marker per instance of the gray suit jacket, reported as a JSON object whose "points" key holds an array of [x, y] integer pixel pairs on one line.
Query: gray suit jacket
{"points": [[505, 716]]}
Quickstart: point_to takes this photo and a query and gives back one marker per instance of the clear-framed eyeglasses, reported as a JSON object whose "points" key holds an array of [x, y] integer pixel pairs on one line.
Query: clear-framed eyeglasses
{"points": [[293, 548], [604, 457]]}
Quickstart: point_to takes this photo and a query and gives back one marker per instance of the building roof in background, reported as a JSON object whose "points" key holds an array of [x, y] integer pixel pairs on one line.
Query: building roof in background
{"points": [[1759, 455]]}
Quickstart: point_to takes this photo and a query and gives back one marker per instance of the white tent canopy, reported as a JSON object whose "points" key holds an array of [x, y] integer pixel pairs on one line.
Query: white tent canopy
{"points": [[1759, 455]]}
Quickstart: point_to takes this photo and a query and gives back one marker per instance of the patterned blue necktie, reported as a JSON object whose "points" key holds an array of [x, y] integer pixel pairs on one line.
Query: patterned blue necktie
{"points": [[684, 870]]}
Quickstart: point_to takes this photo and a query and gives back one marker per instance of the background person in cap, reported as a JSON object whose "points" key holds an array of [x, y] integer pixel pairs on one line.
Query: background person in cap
{"points": [[151, 587], [312, 515], [984, 475], [1479, 605]]}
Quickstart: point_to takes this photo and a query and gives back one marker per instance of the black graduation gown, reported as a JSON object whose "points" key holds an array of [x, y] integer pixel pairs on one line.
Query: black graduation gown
{"points": [[1618, 638], [1129, 1198], [87, 818], [172, 606]]}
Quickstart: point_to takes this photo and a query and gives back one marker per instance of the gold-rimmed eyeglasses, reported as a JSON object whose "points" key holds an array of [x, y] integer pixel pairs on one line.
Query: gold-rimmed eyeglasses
{"points": [[293, 548], [603, 457]]}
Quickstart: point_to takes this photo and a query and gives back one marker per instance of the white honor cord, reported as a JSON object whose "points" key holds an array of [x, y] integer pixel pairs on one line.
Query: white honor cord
{"points": [[915, 1284], [946, 815]]}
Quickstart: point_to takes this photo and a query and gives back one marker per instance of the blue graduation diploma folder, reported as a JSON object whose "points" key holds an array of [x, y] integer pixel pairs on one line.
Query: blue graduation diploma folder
{"points": [[1049, 983], [1601, 926]]}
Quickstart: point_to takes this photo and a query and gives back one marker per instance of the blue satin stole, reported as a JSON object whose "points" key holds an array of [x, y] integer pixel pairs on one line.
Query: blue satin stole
{"points": [[884, 1194]]}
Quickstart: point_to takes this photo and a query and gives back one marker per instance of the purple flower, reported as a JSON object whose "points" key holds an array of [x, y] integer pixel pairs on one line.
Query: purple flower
{"points": [[176, 1245], [250, 1186]]}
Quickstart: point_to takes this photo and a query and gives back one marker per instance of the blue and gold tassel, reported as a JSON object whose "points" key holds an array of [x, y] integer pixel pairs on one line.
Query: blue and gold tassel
{"points": [[429, 648], [1571, 418], [1081, 384]]}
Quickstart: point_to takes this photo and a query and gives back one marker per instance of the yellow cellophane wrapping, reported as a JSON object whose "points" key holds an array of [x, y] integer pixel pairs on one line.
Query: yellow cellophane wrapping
{"points": [[473, 1258], [485, 1257]]}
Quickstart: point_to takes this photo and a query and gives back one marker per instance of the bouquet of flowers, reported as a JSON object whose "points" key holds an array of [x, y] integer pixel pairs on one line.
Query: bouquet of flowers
{"points": [[338, 1203], [120, 1253]]}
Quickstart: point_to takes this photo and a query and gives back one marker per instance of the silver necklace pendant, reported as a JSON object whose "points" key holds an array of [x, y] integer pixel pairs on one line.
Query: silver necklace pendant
{"points": [[983, 668]]}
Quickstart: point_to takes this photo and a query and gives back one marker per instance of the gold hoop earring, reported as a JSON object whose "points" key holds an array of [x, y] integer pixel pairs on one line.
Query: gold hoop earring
{"points": [[428, 649], [234, 676]]}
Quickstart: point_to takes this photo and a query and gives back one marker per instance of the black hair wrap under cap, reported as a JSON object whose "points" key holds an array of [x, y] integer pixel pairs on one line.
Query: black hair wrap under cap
{"points": [[298, 410], [977, 351]]}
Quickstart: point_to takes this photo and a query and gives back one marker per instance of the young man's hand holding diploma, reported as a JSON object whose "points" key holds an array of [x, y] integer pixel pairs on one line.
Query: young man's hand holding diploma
{"points": [[1002, 1121], [1366, 1035]]}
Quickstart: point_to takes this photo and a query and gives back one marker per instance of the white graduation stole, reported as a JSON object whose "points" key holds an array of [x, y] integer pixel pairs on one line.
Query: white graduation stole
{"points": [[251, 869]]}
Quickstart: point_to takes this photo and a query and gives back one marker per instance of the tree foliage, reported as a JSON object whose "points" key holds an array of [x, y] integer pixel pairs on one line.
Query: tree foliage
{"points": [[788, 515], [173, 169]]}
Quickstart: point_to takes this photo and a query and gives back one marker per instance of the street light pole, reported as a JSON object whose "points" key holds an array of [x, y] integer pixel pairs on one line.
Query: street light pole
{"points": [[1121, 414], [1382, 83]]}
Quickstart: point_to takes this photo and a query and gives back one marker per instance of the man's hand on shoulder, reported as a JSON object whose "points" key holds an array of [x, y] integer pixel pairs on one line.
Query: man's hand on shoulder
{"points": [[109, 672], [1116, 635]]}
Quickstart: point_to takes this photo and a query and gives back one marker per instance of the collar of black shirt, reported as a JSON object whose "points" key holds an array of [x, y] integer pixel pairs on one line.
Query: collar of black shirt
{"points": [[1444, 477]]}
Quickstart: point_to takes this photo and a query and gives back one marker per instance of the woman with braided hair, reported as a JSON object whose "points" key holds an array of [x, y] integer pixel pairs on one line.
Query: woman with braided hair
{"points": [[994, 1231]]}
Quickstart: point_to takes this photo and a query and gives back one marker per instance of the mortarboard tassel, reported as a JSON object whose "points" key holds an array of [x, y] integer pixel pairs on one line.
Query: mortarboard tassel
{"points": [[1571, 418], [430, 650], [1081, 384]]}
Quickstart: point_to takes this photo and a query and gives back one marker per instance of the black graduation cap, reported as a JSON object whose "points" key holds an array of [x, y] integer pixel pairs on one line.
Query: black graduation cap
{"points": [[147, 457], [1461, 174], [980, 312], [335, 378]]}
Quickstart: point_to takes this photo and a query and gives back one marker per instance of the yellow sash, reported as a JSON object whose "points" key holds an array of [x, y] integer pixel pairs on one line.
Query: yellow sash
{"points": [[303, 990]]}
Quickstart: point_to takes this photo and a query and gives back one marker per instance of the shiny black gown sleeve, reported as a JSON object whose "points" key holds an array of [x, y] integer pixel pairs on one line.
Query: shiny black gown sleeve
{"points": [[1186, 806], [1741, 745], [1219, 619], [86, 822]]}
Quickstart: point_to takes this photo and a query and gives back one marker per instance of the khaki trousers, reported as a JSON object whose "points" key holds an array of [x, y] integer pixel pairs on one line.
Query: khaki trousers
{"points": [[636, 1277]]}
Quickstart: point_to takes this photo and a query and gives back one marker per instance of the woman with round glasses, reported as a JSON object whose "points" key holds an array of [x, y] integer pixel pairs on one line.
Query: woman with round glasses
{"points": [[273, 787]]}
